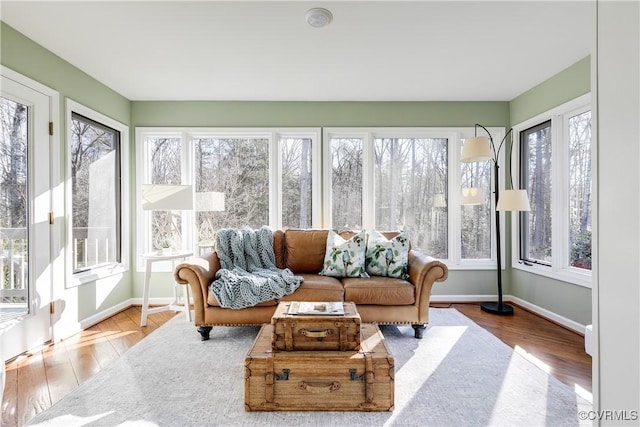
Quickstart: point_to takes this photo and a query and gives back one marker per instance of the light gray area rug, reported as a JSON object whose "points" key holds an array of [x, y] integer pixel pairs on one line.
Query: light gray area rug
{"points": [[458, 375]]}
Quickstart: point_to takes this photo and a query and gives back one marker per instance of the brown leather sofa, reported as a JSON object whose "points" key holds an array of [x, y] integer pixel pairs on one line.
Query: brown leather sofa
{"points": [[380, 300]]}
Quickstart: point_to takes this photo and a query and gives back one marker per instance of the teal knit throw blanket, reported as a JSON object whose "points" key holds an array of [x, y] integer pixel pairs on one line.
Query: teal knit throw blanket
{"points": [[249, 274]]}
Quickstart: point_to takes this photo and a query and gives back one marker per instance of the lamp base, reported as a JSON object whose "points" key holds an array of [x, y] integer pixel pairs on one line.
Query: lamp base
{"points": [[497, 308]]}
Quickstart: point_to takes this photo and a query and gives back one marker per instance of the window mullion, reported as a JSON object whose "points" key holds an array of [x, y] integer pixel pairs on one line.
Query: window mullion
{"points": [[275, 181], [368, 186], [559, 206]]}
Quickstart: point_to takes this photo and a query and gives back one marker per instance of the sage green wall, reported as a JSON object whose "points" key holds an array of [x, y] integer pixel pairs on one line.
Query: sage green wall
{"points": [[558, 89], [566, 299], [317, 114], [26, 57]]}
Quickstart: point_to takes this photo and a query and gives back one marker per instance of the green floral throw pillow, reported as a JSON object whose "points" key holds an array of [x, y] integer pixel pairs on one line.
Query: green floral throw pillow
{"points": [[345, 258], [388, 257]]}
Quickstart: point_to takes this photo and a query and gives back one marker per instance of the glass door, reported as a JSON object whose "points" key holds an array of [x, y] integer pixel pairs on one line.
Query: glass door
{"points": [[25, 232]]}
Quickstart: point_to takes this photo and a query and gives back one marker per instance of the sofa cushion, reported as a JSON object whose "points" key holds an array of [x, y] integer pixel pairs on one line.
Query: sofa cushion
{"points": [[304, 250], [378, 290], [317, 288], [388, 257], [345, 258]]}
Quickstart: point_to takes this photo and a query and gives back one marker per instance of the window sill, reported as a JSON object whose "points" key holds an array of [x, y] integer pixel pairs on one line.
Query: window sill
{"points": [[573, 276], [96, 274]]}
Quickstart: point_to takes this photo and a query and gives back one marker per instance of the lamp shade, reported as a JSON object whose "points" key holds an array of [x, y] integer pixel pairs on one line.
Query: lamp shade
{"points": [[513, 200], [210, 201], [162, 197], [439, 200], [472, 196], [476, 149]]}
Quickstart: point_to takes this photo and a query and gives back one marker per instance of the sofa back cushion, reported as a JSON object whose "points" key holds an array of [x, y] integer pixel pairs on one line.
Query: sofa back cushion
{"points": [[304, 250]]}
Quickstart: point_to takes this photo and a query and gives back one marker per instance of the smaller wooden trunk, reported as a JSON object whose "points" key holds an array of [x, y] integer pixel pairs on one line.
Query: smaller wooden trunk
{"points": [[316, 332], [319, 380]]}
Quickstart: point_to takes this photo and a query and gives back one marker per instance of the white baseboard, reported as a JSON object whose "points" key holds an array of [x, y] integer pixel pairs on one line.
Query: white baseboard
{"points": [[462, 298], [543, 312], [105, 314], [561, 320]]}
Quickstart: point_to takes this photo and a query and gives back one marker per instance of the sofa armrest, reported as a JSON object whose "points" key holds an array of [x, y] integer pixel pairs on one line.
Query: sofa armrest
{"points": [[424, 271], [198, 273]]}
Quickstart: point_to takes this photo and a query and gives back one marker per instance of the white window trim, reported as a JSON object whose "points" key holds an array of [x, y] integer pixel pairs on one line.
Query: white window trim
{"points": [[455, 135], [187, 135], [559, 269], [93, 274]]}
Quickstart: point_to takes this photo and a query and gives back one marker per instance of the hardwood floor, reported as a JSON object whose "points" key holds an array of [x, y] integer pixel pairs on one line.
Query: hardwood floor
{"points": [[561, 349], [38, 380]]}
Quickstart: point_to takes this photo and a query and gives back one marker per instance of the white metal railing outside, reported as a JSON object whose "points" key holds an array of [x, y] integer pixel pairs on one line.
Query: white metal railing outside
{"points": [[92, 246], [88, 252], [13, 265]]}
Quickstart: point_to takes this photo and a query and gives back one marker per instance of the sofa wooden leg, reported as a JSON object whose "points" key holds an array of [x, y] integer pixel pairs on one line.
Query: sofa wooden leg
{"points": [[204, 332], [419, 330]]}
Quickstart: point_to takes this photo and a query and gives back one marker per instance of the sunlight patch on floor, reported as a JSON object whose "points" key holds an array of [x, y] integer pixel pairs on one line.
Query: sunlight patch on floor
{"points": [[583, 393], [437, 342], [533, 359], [509, 399], [73, 421]]}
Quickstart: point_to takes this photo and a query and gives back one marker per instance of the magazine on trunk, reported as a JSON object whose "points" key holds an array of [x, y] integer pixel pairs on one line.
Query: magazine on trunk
{"points": [[317, 308]]}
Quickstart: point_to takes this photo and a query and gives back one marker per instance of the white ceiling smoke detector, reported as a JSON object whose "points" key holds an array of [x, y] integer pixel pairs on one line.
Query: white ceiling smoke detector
{"points": [[318, 17]]}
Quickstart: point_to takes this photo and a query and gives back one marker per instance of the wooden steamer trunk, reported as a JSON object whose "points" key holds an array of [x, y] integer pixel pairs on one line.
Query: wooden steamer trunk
{"points": [[360, 380], [315, 332]]}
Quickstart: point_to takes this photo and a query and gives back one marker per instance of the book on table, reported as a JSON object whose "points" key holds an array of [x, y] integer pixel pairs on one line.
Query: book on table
{"points": [[317, 308]]}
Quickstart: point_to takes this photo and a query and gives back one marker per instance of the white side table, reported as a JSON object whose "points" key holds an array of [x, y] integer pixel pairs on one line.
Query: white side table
{"points": [[150, 258]]}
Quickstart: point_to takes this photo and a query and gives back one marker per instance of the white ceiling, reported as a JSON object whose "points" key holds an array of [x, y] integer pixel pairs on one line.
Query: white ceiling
{"points": [[372, 51]]}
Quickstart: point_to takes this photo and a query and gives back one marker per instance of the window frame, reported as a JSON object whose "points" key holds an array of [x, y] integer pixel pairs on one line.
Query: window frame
{"points": [[559, 268], [186, 136], [455, 136], [102, 271]]}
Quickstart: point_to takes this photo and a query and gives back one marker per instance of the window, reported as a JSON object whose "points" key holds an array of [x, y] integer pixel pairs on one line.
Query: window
{"points": [[387, 179], [97, 147], [536, 178], [580, 190], [476, 220], [346, 183], [404, 179], [410, 190], [297, 188], [555, 168], [238, 170], [240, 178]]}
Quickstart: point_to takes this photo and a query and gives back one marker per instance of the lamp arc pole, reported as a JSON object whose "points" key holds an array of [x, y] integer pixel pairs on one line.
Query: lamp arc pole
{"points": [[497, 307]]}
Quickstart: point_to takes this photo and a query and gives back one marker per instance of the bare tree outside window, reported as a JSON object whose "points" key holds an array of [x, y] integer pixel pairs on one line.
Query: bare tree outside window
{"points": [[94, 152], [165, 167], [476, 220], [580, 191], [13, 201], [411, 190], [296, 182], [239, 168], [536, 175], [346, 183]]}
